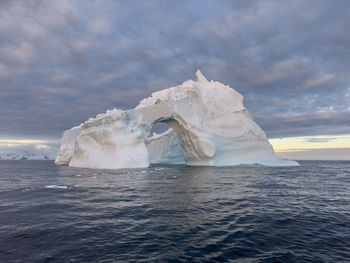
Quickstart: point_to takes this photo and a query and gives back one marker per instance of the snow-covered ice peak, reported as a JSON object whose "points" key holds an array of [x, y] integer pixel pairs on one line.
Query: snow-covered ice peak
{"points": [[200, 76]]}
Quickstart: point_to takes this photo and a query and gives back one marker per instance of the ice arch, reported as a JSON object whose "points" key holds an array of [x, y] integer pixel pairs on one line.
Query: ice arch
{"points": [[212, 125]]}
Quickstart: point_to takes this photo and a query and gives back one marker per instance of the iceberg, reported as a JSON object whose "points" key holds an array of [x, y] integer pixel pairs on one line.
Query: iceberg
{"points": [[209, 127], [28, 151], [67, 145], [165, 148]]}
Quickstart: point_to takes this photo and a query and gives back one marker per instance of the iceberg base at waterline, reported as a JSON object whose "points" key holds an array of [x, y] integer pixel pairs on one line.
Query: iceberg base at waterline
{"points": [[209, 126]]}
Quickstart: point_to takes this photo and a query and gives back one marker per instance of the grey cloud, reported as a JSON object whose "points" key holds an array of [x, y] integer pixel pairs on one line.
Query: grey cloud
{"points": [[320, 140], [62, 61]]}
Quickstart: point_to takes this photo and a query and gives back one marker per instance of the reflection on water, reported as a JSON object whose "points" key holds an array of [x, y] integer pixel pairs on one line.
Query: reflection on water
{"points": [[161, 214]]}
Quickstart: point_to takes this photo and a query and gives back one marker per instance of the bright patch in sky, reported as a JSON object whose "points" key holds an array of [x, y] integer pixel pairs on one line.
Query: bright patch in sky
{"points": [[311, 142], [22, 141], [327, 147]]}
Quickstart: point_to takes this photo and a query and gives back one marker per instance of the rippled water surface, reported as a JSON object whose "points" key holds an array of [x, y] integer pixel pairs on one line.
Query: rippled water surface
{"points": [[175, 214]]}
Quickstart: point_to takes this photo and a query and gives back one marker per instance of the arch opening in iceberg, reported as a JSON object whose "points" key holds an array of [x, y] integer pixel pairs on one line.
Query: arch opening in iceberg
{"points": [[164, 147]]}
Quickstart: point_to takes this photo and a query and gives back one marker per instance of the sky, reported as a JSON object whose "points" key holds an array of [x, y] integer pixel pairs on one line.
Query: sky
{"points": [[62, 62]]}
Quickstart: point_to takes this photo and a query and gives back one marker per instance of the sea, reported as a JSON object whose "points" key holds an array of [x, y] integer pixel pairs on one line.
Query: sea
{"points": [[52, 213]]}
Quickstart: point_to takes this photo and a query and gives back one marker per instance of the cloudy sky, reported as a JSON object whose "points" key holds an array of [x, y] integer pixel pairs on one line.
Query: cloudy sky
{"points": [[62, 62]]}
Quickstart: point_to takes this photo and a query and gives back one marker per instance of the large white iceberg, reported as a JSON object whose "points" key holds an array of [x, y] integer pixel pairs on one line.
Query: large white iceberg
{"points": [[209, 127]]}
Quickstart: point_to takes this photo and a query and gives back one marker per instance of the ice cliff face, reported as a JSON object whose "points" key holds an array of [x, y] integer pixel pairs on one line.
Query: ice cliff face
{"points": [[112, 140], [165, 148], [67, 145], [210, 126]]}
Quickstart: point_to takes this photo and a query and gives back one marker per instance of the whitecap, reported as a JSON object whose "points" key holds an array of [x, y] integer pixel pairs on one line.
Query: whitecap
{"points": [[56, 186]]}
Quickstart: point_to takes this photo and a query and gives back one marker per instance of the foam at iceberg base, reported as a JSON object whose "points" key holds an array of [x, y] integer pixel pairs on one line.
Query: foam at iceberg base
{"points": [[209, 127]]}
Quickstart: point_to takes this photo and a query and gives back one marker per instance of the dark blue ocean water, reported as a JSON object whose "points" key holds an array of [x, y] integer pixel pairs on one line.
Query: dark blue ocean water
{"points": [[175, 214]]}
